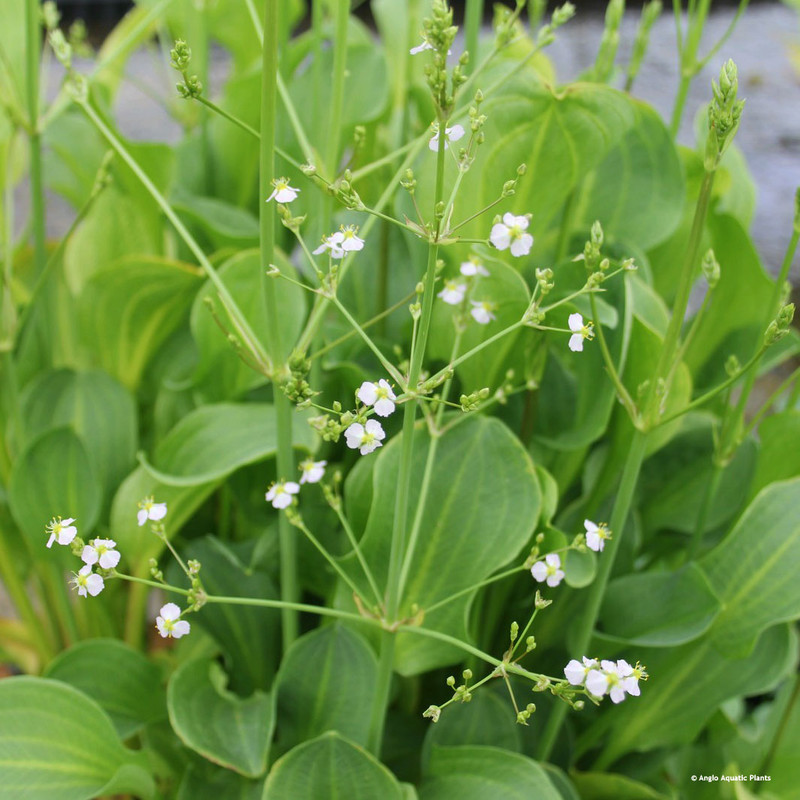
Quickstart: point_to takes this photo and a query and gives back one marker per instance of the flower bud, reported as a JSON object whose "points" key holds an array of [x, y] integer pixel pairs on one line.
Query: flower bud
{"points": [[710, 267]]}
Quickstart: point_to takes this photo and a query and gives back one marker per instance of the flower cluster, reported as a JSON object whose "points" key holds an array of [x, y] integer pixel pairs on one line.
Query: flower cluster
{"points": [[281, 493], [549, 571], [614, 678], [341, 242], [455, 290]]}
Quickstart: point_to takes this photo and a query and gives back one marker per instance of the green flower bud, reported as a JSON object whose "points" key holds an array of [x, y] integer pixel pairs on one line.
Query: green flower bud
{"points": [[710, 267]]}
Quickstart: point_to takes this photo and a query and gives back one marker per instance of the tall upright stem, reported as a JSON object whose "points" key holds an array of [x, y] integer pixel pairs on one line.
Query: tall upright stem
{"points": [[473, 17], [283, 411], [688, 59], [591, 611], [400, 521], [33, 53]]}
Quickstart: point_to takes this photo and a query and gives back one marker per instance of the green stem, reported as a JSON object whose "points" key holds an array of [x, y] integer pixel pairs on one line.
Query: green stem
{"points": [[672, 337], [622, 392], [709, 495], [357, 550], [770, 402], [283, 411], [18, 593], [385, 363], [433, 447], [337, 97], [689, 65], [488, 582], [33, 52], [473, 17], [591, 610], [181, 229], [766, 764], [386, 662], [328, 557]]}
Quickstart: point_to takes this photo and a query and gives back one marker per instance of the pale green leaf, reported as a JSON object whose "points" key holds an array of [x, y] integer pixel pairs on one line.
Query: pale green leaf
{"points": [[226, 729], [327, 681], [119, 679], [476, 773], [754, 569], [57, 743], [312, 769]]}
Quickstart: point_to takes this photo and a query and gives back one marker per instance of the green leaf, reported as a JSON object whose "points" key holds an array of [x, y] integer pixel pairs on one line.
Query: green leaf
{"points": [[311, 770], [100, 410], [326, 682], [214, 440], [658, 609], [212, 721], [221, 223], [482, 506], [734, 320], [754, 569], [476, 773], [784, 768], [138, 545], [779, 455], [561, 135], [637, 191], [221, 374], [488, 719], [54, 476], [686, 686], [206, 782], [130, 307], [505, 288], [604, 786], [673, 483], [119, 679], [248, 636], [57, 743], [575, 399]]}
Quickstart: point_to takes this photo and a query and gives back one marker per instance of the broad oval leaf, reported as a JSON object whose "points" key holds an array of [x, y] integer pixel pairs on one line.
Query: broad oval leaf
{"points": [[658, 609], [603, 786], [779, 454], [482, 505], [130, 307], [477, 773], [54, 477], [488, 719], [207, 782], [754, 569], [221, 374], [327, 681], [118, 678], [214, 722], [311, 769], [100, 410], [213, 440], [686, 686], [247, 635], [57, 743]]}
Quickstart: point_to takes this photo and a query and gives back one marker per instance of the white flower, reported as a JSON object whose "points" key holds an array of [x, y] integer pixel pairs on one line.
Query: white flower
{"points": [[482, 311], [511, 233], [579, 332], [453, 292], [87, 582], [597, 681], [576, 671], [596, 535], [630, 677], [148, 509], [332, 243], [280, 493], [426, 45], [548, 570], [349, 239], [169, 622], [101, 551], [473, 267], [283, 193], [379, 395], [312, 471], [61, 531], [451, 135], [365, 438]]}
